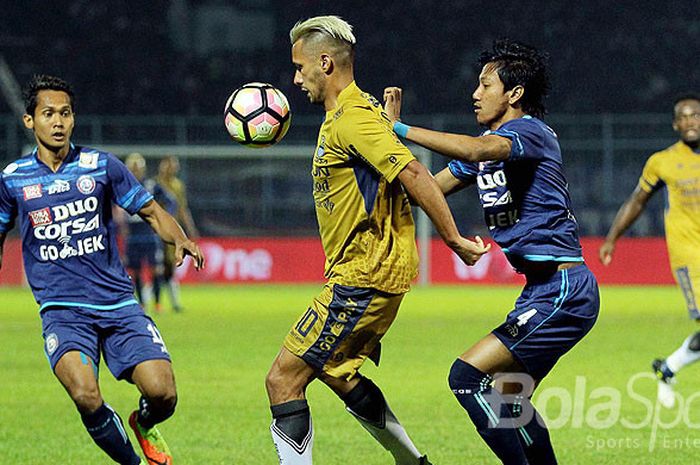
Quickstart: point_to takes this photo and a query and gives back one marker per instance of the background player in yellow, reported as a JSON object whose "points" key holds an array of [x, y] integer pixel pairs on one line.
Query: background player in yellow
{"points": [[360, 170], [678, 169], [168, 169]]}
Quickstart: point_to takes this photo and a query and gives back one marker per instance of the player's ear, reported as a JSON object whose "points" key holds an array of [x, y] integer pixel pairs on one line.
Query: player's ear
{"points": [[326, 63], [28, 121], [516, 93]]}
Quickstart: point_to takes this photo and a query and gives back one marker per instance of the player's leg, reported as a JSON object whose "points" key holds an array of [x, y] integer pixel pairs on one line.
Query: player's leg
{"points": [[134, 350], [470, 379], [291, 428], [551, 316], [158, 270], [366, 402], [169, 281], [72, 348], [688, 279], [76, 372]]}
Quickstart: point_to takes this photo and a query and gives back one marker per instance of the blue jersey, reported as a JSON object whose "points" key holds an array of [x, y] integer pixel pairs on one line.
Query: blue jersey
{"points": [[65, 220], [525, 198]]}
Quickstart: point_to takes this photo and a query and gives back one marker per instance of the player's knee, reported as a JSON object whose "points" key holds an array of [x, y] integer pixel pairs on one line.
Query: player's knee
{"points": [[464, 378], [694, 344], [281, 387], [87, 398]]}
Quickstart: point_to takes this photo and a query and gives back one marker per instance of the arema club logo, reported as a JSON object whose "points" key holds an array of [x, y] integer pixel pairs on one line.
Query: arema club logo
{"points": [[85, 184]]}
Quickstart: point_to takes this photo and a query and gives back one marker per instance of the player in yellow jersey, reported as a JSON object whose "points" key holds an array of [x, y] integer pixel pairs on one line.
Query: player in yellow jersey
{"points": [[362, 174], [678, 169]]}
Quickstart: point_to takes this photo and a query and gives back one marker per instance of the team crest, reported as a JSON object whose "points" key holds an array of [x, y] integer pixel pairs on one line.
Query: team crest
{"points": [[85, 184], [51, 343], [88, 160], [32, 192]]}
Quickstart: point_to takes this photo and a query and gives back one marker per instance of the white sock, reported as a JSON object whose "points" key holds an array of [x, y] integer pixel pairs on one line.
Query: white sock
{"points": [[682, 356], [392, 437], [173, 288], [288, 451]]}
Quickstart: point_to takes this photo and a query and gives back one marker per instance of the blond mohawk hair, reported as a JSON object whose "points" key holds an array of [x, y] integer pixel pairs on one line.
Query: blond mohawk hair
{"points": [[332, 26]]}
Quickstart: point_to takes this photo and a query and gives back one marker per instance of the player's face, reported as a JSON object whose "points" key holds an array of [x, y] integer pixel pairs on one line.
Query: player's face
{"points": [[490, 98], [53, 119], [687, 121], [308, 75]]}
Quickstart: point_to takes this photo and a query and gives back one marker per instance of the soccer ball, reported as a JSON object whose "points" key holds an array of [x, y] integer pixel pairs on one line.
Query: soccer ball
{"points": [[257, 115]]}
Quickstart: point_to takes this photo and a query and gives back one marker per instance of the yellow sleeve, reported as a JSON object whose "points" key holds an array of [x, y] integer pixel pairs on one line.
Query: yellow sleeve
{"points": [[650, 180], [368, 136]]}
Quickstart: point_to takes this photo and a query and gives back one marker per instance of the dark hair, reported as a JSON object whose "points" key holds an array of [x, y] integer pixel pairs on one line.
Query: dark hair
{"points": [[44, 82], [682, 97], [520, 64]]}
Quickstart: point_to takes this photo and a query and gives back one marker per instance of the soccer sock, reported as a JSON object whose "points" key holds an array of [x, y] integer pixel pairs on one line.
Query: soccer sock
{"points": [[292, 432], [173, 288], [366, 403], [149, 415], [156, 289], [534, 436], [107, 430], [473, 390], [686, 354]]}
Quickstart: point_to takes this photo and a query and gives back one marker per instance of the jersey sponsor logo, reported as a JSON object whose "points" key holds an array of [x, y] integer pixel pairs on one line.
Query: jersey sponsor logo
{"points": [[88, 160], [32, 192], [11, 168], [58, 187], [84, 246], [78, 207], [502, 219], [67, 228], [40, 217], [85, 184], [51, 343]]}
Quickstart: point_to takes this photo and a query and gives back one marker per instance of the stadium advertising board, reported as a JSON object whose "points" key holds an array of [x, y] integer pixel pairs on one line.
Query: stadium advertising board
{"points": [[289, 260]]}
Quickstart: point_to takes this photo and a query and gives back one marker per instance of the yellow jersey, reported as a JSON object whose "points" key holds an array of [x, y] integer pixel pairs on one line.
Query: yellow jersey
{"points": [[678, 169], [363, 213]]}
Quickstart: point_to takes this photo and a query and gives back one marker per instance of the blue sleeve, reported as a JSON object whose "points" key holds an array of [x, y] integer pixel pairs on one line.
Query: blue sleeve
{"points": [[465, 171], [127, 192], [8, 208], [527, 138]]}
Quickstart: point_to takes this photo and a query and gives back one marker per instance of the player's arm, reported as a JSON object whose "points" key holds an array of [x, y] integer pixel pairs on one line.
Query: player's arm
{"points": [[170, 232], [187, 221], [425, 191], [626, 216], [458, 146]]}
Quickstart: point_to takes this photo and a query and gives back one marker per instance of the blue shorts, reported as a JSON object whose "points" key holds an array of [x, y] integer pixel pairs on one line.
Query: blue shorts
{"points": [[137, 253], [124, 336], [550, 317]]}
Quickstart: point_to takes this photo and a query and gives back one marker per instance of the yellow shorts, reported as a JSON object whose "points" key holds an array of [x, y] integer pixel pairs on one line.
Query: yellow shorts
{"points": [[688, 279], [342, 327]]}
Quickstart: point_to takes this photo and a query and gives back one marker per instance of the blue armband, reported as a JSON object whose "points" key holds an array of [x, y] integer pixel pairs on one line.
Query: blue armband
{"points": [[401, 129]]}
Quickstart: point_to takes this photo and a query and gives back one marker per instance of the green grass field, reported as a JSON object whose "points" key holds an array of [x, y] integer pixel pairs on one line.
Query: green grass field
{"points": [[223, 344]]}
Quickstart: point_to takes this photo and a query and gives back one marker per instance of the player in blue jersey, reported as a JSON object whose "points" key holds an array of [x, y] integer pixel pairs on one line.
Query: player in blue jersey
{"points": [[62, 197], [516, 164], [143, 248]]}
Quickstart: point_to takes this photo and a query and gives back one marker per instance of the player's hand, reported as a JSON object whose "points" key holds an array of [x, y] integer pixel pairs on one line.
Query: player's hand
{"points": [[605, 253], [392, 103], [188, 247], [471, 251]]}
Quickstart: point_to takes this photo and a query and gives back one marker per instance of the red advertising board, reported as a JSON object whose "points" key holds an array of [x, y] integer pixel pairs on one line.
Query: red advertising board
{"points": [[276, 260]]}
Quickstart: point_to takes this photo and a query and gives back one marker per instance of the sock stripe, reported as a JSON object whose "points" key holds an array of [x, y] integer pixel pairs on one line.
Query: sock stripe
{"points": [[526, 437], [298, 448], [486, 408], [118, 423]]}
